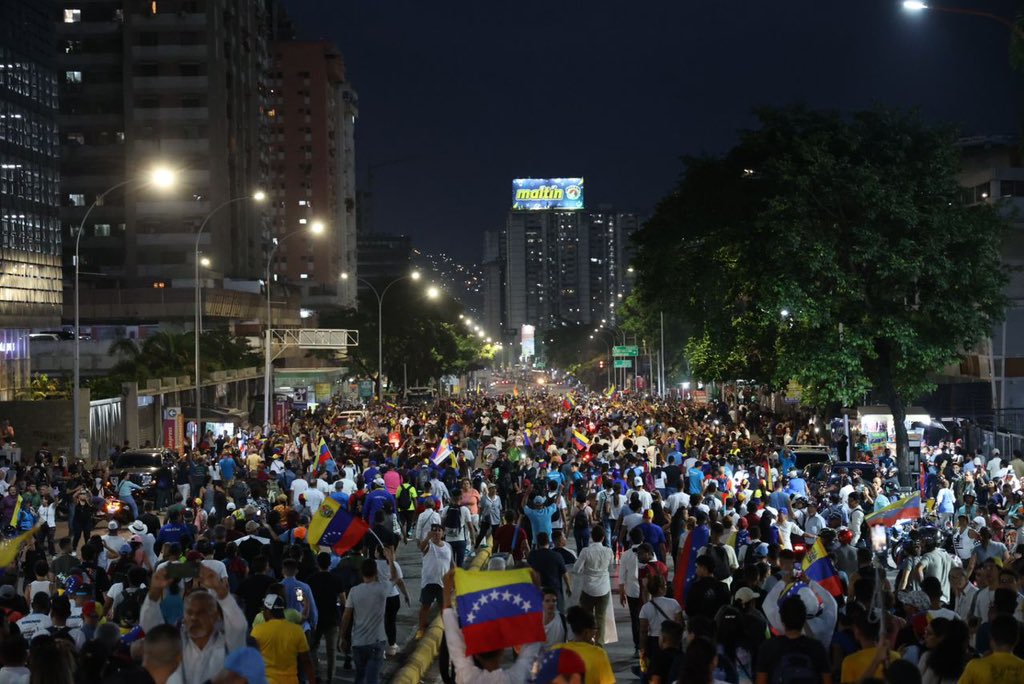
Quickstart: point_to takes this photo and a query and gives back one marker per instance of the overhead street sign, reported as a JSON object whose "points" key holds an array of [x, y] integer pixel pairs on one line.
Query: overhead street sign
{"points": [[623, 363], [627, 350]]}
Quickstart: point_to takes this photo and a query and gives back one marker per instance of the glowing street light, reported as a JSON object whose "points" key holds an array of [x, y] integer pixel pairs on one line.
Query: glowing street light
{"points": [[415, 275], [205, 262], [914, 5]]}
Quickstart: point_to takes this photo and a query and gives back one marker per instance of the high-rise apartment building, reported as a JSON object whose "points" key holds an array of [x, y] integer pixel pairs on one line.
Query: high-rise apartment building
{"points": [[175, 82], [554, 267], [30, 240], [312, 151]]}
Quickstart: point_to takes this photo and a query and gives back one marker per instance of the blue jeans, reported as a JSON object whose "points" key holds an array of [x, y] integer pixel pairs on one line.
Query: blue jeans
{"points": [[368, 661], [459, 549], [131, 504]]}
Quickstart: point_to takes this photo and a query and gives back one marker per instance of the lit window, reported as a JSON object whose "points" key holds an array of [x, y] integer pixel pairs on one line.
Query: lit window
{"points": [[72, 16], [101, 230], [73, 76], [304, 276], [76, 199], [302, 222]]}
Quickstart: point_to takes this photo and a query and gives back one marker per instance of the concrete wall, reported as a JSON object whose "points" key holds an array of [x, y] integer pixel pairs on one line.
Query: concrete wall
{"points": [[49, 421]]}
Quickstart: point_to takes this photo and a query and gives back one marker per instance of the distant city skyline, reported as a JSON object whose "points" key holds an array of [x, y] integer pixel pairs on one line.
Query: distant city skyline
{"points": [[618, 96]]}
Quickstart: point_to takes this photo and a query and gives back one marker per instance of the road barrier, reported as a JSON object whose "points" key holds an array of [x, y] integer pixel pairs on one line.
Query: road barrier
{"points": [[423, 655]]}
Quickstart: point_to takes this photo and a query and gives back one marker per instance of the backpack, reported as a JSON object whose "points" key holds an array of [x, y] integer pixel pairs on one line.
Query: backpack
{"points": [[130, 607], [453, 520], [580, 521], [721, 559], [795, 667], [62, 633], [404, 497]]}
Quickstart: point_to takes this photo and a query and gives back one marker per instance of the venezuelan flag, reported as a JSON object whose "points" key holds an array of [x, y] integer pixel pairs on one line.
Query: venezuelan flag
{"points": [[17, 513], [686, 564], [443, 451], [325, 453], [597, 666], [610, 392], [498, 609], [335, 528], [818, 567], [9, 547], [907, 508], [393, 407], [569, 403], [579, 440]]}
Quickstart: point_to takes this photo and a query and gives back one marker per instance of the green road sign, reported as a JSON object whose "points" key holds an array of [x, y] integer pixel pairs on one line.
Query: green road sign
{"points": [[623, 363], [628, 350], [365, 389]]}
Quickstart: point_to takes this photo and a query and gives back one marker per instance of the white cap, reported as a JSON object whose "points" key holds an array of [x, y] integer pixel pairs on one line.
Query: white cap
{"points": [[112, 525], [638, 481], [231, 505]]}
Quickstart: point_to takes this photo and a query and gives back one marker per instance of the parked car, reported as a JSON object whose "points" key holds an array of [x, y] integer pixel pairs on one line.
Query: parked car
{"points": [[142, 466]]}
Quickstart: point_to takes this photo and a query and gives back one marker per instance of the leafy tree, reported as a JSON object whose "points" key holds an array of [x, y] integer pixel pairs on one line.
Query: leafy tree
{"points": [[835, 251], [424, 335], [43, 387]]}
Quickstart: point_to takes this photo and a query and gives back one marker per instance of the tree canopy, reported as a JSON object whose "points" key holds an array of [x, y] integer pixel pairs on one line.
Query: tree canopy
{"points": [[834, 251]]}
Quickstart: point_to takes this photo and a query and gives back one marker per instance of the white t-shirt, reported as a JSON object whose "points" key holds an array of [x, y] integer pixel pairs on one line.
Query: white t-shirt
{"points": [[14, 675], [298, 487], [314, 497], [384, 575], [33, 623], [556, 631], [437, 560], [654, 618]]}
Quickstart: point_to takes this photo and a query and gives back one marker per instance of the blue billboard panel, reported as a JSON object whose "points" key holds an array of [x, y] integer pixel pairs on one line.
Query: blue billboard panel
{"points": [[533, 194]]}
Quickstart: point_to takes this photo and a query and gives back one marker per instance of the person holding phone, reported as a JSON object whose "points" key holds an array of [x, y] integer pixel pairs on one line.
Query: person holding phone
{"points": [[213, 624]]}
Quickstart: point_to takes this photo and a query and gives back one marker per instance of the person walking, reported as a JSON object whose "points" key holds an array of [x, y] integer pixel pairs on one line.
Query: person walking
{"points": [[282, 644], [594, 568], [364, 612]]}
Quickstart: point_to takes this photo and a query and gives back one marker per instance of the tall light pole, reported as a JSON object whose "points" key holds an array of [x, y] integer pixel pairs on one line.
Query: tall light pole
{"points": [[257, 196], [160, 177], [919, 6], [415, 275], [610, 357], [315, 228]]}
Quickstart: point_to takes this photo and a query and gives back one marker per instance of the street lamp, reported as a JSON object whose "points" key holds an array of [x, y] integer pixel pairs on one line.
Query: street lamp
{"points": [[920, 6], [415, 275], [161, 177], [433, 292], [315, 228], [257, 196]]}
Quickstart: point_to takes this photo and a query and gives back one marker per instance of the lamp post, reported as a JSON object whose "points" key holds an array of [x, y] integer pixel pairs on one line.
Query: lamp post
{"points": [[315, 228], [160, 177], [609, 348], [920, 6], [257, 196], [415, 275]]}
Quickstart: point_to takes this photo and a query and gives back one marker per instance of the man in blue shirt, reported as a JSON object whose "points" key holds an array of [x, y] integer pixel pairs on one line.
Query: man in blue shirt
{"points": [[539, 515], [227, 469], [298, 595], [125, 488], [695, 480], [174, 532], [653, 535], [375, 500]]}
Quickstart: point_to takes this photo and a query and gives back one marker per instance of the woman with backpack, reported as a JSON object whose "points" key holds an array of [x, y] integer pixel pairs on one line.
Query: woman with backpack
{"points": [[656, 611]]}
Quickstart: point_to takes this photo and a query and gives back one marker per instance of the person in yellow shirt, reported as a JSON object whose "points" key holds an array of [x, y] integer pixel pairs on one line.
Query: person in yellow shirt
{"points": [[584, 630], [283, 644], [857, 666], [1001, 667]]}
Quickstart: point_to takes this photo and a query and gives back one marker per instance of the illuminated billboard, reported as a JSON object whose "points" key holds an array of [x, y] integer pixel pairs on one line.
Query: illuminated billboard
{"points": [[532, 194]]}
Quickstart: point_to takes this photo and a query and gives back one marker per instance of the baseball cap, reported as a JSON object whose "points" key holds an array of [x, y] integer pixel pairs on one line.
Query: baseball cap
{"points": [[125, 548], [273, 602], [557, 662], [638, 482], [378, 482], [248, 664], [231, 506], [251, 526], [7, 591], [539, 500], [135, 539], [112, 525], [746, 594], [761, 550], [89, 609]]}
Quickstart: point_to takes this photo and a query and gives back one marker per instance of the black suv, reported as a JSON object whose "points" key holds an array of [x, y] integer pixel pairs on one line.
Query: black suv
{"points": [[142, 466]]}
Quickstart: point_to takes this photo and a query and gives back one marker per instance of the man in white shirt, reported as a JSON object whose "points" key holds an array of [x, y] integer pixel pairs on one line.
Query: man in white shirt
{"points": [[629, 584], [856, 517], [438, 559], [813, 521], [39, 619], [427, 519], [208, 636], [298, 486], [994, 464], [787, 528]]}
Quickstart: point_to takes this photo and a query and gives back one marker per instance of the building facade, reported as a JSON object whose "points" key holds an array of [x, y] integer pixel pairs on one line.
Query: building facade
{"points": [[30, 236], [551, 268], [313, 116], [182, 83]]}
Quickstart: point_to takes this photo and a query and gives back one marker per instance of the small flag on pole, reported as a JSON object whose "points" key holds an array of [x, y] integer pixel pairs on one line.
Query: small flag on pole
{"points": [[579, 440], [335, 528], [443, 451]]}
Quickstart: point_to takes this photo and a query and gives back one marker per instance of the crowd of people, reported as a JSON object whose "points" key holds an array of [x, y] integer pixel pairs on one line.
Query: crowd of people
{"points": [[692, 523]]}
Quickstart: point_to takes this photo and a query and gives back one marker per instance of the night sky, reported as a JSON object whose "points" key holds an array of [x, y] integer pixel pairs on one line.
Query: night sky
{"points": [[469, 95]]}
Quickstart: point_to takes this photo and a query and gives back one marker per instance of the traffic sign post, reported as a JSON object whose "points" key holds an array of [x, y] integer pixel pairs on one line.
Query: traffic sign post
{"points": [[623, 363], [626, 350]]}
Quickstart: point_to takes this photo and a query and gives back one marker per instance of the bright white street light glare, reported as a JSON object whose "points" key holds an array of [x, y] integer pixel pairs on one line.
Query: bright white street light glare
{"points": [[317, 227], [784, 313], [162, 177], [914, 5], [433, 292], [415, 275], [205, 262], [480, 333], [259, 195]]}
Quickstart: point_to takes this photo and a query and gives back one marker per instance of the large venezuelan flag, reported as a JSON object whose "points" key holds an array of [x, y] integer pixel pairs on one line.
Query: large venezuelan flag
{"points": [[579, 440], [686, 564], [569, 403], [335, 528], [325, 453], [818, 567], [443, 451], [907, 508], [498, 609]]}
